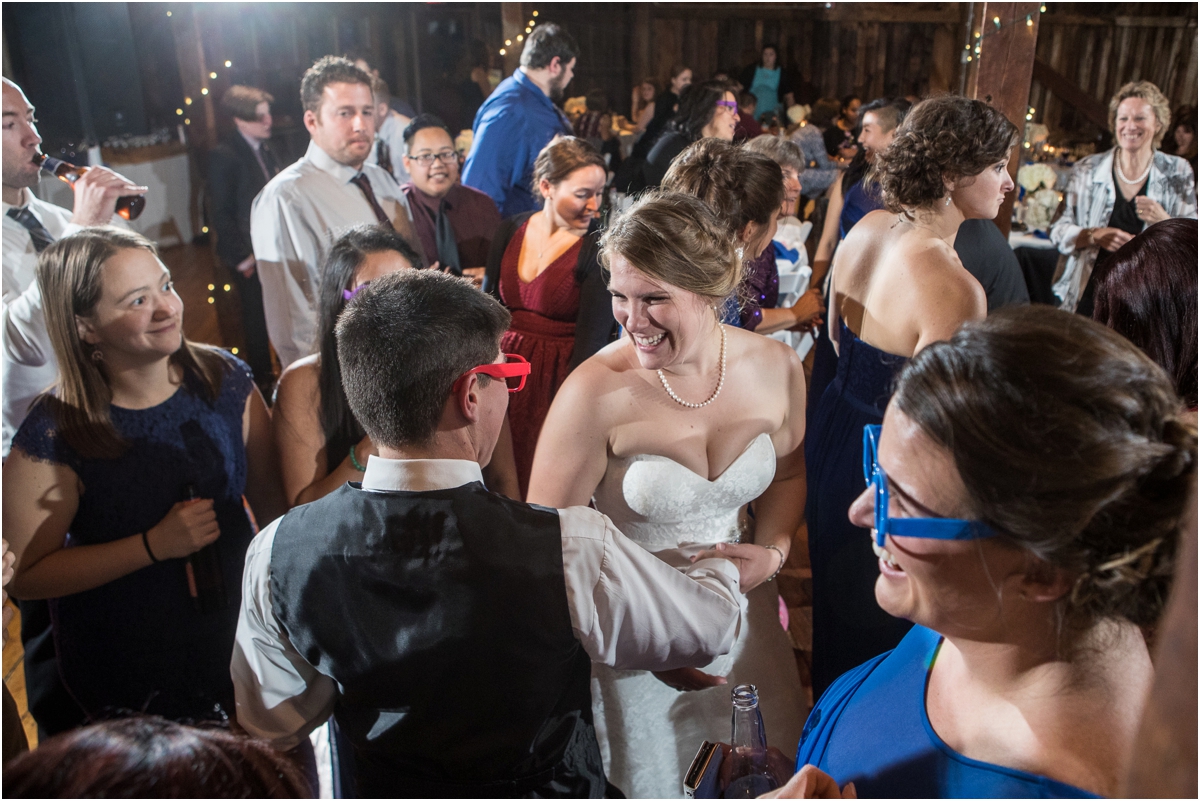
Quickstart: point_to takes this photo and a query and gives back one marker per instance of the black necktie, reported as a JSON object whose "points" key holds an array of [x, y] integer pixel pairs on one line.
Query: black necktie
{"points": [[268, 157], [37, 232], [364, 184], [447, 243], [383, 155]]}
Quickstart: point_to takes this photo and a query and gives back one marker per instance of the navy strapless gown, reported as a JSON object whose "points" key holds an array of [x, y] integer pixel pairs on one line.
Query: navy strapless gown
{"points": [[848, 626]]}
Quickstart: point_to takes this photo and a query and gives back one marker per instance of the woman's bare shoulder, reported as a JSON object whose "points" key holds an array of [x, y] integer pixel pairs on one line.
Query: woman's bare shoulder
{"points": [[299, 381]]}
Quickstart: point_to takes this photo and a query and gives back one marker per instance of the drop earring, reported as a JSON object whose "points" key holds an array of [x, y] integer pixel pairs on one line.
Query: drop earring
{"points": [[947, 200]]}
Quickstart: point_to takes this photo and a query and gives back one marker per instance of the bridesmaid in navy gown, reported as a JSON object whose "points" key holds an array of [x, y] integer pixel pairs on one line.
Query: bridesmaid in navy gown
{"points": [[897, 285]]}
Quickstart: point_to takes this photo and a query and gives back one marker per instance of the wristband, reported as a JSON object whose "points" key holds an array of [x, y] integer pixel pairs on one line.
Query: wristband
{"points": [[354, 461], [782, 560], [150, 553]]}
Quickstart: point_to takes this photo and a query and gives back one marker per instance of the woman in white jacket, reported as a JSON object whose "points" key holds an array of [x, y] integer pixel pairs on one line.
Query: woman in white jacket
{"points": [[1113, 196]]}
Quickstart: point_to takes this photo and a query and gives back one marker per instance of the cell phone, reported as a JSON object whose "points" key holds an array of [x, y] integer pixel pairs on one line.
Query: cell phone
{"points": [[700, 781]]}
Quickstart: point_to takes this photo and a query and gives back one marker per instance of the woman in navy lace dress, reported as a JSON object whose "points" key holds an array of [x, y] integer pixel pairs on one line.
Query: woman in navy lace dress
{"points": [[136, 461]]}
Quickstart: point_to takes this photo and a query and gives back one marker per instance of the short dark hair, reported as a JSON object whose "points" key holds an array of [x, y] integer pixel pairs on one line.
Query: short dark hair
{"points": [[379, 89], [824, 112], [1146, 292], [145, 756], [547, 42], [597, 100], [403, 342], [1070, 443], [420, 123], [944, 137], [746, 99], [698, 106], [889, 111], [242, 101], [327, 70], [740, 186], [847, 100], [337, 275]]}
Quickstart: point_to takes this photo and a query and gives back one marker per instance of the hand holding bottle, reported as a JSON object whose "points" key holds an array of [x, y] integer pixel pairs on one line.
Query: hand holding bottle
{"points": [[811, 782], [96, 194], [188, 527]]}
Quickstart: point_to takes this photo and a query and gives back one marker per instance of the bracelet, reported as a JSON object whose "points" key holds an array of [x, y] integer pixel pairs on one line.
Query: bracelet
{"points": [[150, 553], [782, 560], [354, 461]]}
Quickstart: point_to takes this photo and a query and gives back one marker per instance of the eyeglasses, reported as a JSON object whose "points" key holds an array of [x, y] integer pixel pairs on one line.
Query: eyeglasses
{"points": [[729, 104], [426, 159], [513, 371], [930, 528]]}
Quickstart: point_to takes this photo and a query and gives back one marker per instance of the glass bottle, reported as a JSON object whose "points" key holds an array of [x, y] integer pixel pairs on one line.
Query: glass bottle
{"points": [[206, 583], [749, 775], [128, 206]]}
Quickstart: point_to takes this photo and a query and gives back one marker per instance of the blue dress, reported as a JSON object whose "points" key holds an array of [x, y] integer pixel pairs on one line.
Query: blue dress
{"points": [[872, 728], [859, 200], [848, 625], [139, 642]]}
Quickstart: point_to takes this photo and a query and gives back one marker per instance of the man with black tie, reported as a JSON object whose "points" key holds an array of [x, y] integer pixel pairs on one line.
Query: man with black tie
{"points": [[238, 168]]}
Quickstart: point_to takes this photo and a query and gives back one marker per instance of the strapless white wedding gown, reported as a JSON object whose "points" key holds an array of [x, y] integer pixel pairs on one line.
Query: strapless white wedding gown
{"points": [[649, 732]]}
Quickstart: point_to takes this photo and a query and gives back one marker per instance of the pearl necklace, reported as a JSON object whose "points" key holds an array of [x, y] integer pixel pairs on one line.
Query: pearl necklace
{"points": [[1140, 178], [720, 381]]}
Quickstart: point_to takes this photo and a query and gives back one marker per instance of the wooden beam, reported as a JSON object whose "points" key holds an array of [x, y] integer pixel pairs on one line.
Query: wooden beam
{"points": [[1119, 22], [512, 23], [1005, 72], [193, 72], [936, 13], [640, 44], [1066, 90]]}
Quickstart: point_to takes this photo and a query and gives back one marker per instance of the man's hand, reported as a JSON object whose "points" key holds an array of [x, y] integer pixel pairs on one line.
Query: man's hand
{"points": [[687, 679], [246, 266], [96, 194], [811, 782]]}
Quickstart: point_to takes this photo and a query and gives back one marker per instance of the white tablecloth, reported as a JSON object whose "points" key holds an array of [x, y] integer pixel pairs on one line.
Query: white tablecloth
{"points": [[1020, 239]]}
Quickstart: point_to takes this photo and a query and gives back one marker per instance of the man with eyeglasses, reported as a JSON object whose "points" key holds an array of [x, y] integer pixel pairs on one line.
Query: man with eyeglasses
{"points": [[449, 630], [455, 222]]}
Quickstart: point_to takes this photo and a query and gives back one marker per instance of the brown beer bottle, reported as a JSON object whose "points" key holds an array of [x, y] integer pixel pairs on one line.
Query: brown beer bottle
{"points": [[128, 206]]}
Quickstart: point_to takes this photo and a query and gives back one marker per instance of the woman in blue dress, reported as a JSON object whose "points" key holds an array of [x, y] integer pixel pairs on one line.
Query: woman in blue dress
{"points": [[138, 460], [897, 286], [1027, 491]]}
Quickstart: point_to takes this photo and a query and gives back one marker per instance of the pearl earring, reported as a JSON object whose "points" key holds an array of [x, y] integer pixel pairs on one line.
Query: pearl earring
{"points": [[947, 200]]}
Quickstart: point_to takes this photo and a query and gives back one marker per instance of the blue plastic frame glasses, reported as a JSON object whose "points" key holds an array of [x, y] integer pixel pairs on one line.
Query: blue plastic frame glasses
{"points": [[930, 528]]}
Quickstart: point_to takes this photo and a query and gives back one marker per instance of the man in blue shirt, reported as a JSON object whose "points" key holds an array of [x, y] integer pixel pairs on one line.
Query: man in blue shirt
{"points": [[519, 119]]}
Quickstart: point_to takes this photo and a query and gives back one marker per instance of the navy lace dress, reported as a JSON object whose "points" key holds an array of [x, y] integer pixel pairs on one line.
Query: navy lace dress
{"points": [[139, 642], [848, 626]]}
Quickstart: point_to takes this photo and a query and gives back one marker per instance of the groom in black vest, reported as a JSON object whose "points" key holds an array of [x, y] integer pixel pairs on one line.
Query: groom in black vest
{"points": [[450, 630]]}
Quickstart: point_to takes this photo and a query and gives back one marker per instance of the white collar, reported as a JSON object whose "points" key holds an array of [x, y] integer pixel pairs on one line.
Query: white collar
{"points": [[26, 195], [325, 163], [419, 475]]}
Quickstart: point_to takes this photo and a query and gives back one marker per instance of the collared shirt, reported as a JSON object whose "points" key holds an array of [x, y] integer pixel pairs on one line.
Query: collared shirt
{"points": [[629, 608], [511, 128], [293, 224], [472, 213], [391, 131], [256, 148], [28, 360]]}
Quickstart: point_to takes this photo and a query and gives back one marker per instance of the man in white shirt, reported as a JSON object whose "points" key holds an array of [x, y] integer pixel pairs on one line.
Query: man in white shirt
{"points": [[298, 215], [29, 366], [451, 630], [389, 135]]}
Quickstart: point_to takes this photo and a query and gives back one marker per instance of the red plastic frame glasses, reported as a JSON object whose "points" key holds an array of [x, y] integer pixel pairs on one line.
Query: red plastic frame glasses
{"points": [[515, 367]]}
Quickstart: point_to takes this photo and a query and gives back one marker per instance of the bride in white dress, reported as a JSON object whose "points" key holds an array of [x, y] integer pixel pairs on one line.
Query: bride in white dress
{"points": [[672, 431]]}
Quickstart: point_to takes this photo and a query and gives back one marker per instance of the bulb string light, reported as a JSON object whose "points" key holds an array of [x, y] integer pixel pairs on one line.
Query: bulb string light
{"points": [[987, 31]]}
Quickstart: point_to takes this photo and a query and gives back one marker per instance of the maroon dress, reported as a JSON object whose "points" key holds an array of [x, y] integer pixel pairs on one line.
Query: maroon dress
{"points": [[543, 331]]}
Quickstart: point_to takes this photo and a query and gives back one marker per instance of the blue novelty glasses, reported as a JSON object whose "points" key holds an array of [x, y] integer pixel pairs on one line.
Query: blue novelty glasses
{"points": [[930, 528]]}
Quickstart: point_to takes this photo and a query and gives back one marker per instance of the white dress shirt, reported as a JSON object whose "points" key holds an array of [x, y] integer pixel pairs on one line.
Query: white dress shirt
{"points": [[629, 608], [293, 224], [392, 132], [29, 367]]}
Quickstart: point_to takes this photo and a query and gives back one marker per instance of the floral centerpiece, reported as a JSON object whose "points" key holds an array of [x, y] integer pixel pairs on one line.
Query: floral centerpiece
{"points": [[1040, 199]]}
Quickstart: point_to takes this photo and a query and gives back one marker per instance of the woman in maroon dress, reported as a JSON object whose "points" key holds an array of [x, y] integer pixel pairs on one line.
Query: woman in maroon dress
{"points": [[544, 268]]}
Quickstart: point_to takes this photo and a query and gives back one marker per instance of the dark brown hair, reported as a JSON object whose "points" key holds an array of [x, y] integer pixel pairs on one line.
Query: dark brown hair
{"points": [[739, 185], [548, 41], [148, 757], [1069, 442], [70, 275], [1146, 292], [327, 70], [242, 101], [697, 107], [563, 156], [942, 138]]}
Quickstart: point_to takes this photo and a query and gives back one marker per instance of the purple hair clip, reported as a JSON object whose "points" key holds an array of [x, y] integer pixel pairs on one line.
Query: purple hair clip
{"points": [[349, 294]]}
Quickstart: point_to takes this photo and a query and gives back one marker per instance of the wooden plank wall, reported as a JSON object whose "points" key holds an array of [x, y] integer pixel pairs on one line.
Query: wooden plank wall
{"points": [[1100, 54]]}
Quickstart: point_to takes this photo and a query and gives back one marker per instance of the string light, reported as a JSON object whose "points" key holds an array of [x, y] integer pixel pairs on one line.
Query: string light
{"points": [[187, 101], [228, 63], [520, 38], [535, 13], [204, 91], [508, 42], [211, 299], [179, 111], [996, 21], [212, 75], [530, 23], [527, 30], [211, 287], [187, 121], [227, 287], [1043, 8], [1028, 20], [168, 13], [503, 51], [204, 230]]}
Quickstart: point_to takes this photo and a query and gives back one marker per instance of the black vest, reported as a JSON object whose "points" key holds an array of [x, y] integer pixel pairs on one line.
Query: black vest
{"points": [[443, 618]]}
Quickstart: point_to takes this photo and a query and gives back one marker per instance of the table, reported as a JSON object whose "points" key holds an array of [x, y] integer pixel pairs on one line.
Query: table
{"points": [[1039, 262]]}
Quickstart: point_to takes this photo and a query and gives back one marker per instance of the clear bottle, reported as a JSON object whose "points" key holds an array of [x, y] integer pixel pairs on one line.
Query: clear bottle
{"points": [[128, 206], [749, 775]]}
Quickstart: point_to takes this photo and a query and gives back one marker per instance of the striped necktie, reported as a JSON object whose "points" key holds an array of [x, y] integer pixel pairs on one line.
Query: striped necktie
{"points": [[37, 232]]}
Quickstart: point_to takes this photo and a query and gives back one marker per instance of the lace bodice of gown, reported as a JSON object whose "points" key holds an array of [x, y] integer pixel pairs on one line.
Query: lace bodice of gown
{"points": [[659, 503]]}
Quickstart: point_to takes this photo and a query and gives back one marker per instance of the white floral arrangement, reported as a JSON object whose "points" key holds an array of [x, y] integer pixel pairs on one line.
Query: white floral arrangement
{"points": [[1033, 177], [1040, 207]]}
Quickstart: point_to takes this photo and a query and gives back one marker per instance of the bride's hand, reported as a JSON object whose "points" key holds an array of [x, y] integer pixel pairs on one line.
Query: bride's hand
{"points": [[685, 679], [755, 563]]}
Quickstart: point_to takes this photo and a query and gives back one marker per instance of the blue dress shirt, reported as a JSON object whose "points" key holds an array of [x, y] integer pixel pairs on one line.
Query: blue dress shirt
{"points": [[511, 128]]}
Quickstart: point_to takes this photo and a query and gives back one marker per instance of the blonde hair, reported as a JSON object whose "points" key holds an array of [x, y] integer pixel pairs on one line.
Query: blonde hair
{"points": [[1147, 91], [70, 276], [675, 238]]}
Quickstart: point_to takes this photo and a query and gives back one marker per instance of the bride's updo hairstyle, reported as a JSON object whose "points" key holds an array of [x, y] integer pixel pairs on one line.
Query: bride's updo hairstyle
{"points": [[943, 137], [740, 185], [1069, 441], [676, 239]]}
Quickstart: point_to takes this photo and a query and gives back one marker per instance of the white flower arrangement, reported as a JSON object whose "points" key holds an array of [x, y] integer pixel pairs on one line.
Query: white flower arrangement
{"points": [[1040, 207], [1033, 177]]}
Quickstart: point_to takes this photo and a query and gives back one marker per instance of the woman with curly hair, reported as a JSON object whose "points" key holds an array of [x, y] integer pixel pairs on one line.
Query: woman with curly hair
{"points": [[897, 285], [1025, 672]]}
